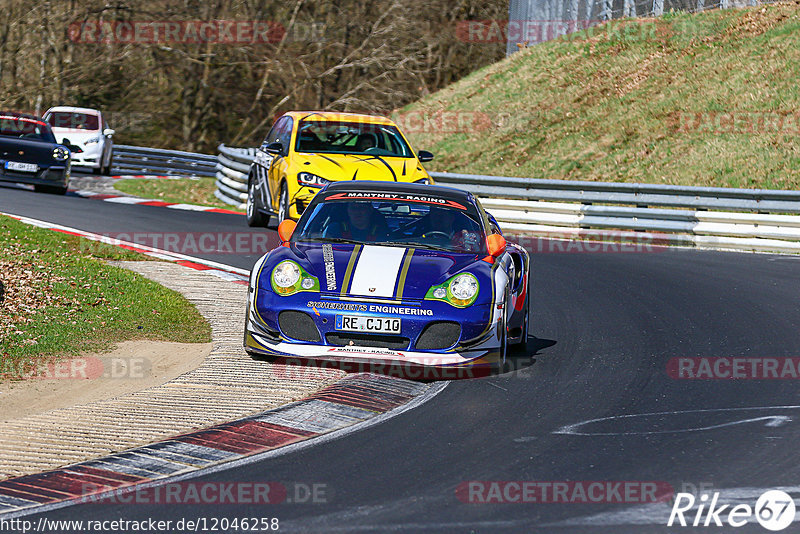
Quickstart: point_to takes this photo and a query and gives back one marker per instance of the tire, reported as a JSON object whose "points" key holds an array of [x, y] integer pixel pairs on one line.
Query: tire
{"points": [[283, 203], [254, 216], [106, 171], [523, 340], [504, 338], [51, 189]]}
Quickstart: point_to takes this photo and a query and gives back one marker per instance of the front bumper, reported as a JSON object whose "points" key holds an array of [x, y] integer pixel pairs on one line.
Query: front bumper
{"points": [[477, 342], [55, 175], [90, 157]]}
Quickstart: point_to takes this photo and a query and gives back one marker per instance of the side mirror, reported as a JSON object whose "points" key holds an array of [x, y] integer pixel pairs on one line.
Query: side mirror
{"points": [[496, 244], [286, 229], [424, 156], [66, 142], [109, 132], [275, 147]]}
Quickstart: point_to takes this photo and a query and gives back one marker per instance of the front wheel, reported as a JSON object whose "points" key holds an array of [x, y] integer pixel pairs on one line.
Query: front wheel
{"points": [[283, 203], [523, 338], [254, 215], [106, 171]]}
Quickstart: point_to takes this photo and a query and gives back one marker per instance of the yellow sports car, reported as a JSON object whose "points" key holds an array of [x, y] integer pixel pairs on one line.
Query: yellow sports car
{"points": [[304, 151]]}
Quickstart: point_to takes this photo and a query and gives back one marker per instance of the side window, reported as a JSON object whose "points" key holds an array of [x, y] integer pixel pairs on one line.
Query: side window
{"points": [[285, 134], [493, 226], [272, 136]]}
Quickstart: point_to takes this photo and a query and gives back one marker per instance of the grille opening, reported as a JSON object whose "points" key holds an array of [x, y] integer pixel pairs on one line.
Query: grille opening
{"points": [[298, 325], [439, 335], [368, 340]]}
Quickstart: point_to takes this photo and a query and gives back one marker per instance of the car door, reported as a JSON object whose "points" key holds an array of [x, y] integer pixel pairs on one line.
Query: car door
{"points": [[279, 163]]}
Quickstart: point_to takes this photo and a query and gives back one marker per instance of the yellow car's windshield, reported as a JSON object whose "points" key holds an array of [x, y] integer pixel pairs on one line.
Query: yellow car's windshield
{"points": [[335, 137]]}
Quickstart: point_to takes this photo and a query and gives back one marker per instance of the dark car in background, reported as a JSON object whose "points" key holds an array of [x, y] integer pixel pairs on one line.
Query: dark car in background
{"points": [[29, 154]]}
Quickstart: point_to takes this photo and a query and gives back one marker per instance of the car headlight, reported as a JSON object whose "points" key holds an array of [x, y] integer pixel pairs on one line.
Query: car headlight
{"points": [[460, 291], [288, 278], [92, 141], [60, 153], [311, 180]]}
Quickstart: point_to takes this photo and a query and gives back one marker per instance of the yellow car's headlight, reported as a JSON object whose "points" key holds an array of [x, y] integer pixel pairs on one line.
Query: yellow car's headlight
{"points": [[307, 179]]}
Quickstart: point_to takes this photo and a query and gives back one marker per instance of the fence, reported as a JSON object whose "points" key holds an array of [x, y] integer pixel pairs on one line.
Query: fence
{"points": [[143, 160], [667, 214]]}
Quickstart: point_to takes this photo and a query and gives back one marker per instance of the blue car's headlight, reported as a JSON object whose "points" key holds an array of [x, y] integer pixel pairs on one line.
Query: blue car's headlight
{"points": [[306, 179], [460, 291], [288, 278]]}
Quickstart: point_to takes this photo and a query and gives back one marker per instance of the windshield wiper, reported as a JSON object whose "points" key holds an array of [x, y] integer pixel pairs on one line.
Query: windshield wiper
{"points": [[420, 245], [332, 240]]}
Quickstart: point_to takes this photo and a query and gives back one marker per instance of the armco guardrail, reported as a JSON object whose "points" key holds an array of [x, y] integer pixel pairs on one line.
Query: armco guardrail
{"points": [[143, 160], [603, 210], [232, 170]]}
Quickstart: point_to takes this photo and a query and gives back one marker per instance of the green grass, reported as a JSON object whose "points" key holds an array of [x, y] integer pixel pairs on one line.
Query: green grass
{"points": [[60, 298], [636, 102], [181, 190]]}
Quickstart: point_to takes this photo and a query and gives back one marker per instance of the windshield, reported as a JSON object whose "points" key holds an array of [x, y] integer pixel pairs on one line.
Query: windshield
{"points": [[73, 121], [393, 223], [334, 137], [24, 128]]}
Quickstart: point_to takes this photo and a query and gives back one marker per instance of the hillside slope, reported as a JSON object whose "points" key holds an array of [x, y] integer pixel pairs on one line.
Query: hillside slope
{"points": [[706, 99]]}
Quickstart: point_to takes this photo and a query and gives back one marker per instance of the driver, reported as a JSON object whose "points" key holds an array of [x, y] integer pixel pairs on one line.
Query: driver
{"points": [[445, 222], [363, 223], [365, 142]]}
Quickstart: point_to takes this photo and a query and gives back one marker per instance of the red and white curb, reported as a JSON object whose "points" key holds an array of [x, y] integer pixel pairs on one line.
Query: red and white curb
{"points": [[220, 270], [350, 404], [124, 199]]}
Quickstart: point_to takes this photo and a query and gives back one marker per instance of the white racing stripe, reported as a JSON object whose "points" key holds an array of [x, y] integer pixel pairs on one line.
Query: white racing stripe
{"points": [[376, 272]]}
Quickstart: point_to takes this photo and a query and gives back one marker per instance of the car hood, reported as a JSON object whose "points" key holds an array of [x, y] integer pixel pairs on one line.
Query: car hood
{"points": [[337, 167], [26, 150], [76, 137], [380, 271]]}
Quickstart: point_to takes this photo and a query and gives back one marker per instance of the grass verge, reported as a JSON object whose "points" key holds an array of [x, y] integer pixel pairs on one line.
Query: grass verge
{"points": [[58, 297], [709, 99], [182, 190]]}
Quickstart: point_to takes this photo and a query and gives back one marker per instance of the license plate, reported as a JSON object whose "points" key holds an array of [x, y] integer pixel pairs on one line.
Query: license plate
{"points": [[362, 323], [24, 167]]}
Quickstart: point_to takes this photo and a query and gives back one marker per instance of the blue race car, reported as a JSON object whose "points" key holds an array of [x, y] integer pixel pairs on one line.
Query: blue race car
{"points": [[390, 272]]}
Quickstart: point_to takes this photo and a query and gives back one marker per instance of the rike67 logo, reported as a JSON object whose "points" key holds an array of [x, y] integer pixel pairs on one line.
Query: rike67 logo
{"points": [[774, 510]]}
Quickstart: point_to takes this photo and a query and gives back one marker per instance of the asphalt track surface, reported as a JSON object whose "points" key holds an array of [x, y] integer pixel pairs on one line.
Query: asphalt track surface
{"points": [[605, 327]]}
